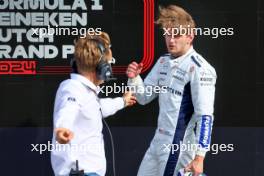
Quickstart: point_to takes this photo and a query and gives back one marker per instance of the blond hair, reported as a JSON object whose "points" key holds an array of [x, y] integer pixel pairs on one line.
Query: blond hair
{"points": [[87, 52], [174, 16]]}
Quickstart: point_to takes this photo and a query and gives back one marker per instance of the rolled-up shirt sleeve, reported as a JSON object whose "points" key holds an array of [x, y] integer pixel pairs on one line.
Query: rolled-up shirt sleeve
{"points": [[110, 106]]}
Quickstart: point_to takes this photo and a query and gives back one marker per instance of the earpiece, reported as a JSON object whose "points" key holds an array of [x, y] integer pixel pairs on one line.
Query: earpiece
{"points": [[103, 68]]}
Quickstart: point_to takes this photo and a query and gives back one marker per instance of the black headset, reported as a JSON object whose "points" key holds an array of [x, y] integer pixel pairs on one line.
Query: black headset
{"points": [[103, 69]]}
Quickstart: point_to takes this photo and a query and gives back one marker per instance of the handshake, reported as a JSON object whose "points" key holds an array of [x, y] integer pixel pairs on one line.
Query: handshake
{"points": [[133, 70]]}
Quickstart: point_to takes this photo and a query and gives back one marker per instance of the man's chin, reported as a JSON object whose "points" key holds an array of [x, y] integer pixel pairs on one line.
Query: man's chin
{"points": [[174, 53]]}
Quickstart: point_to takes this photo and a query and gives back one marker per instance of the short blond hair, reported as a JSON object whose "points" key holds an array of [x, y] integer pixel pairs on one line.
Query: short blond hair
{"points": [[87, 52], [174, 16]]}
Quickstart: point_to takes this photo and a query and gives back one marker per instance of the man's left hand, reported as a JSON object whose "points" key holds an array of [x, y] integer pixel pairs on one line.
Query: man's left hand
{"points": [[196, 166]]}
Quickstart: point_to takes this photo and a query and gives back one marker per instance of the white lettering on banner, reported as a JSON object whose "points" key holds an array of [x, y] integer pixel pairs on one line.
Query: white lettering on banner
{"points": [[42, 19], [22, 34], [41, 51], [28, 28], [43, 4], [66, 50], [96, 5]]}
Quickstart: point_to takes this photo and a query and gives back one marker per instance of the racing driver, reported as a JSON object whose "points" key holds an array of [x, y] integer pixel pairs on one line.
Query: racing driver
{"points": [[187, 106]]}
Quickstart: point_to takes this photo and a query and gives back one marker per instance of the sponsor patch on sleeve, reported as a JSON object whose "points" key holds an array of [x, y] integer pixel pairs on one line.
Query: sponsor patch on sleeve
{"points": [[206, 130]]}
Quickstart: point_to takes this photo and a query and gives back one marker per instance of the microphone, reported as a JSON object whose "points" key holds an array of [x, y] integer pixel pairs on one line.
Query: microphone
{"points": [[74, 66], [111, 79], [109, 75], [77, 172]]}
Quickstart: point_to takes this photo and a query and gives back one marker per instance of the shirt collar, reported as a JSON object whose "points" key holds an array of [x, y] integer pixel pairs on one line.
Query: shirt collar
{"points": [[181, 58], [86, 82]]}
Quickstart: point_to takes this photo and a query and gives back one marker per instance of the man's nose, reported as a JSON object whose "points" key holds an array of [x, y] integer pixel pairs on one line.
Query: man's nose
{"points": [[172, 39]]}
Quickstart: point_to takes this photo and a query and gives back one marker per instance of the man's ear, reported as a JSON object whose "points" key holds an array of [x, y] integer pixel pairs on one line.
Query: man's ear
{"points": [[190, 37]]}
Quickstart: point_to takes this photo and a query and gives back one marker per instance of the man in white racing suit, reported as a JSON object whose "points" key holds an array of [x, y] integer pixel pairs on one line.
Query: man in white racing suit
{"points": [[185, 118]]}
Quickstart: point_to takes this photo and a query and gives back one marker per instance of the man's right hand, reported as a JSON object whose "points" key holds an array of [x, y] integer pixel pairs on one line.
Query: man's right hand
{"points": [[63, 135], [134, 69], [129, 99]]}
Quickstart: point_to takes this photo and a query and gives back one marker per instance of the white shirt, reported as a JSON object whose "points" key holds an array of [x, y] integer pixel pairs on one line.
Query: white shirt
{"points": [[78, 108]]}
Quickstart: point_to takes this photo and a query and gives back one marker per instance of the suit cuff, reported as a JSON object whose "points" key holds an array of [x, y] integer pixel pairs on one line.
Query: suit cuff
{"points": [[201, 152], [134, 81]]}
